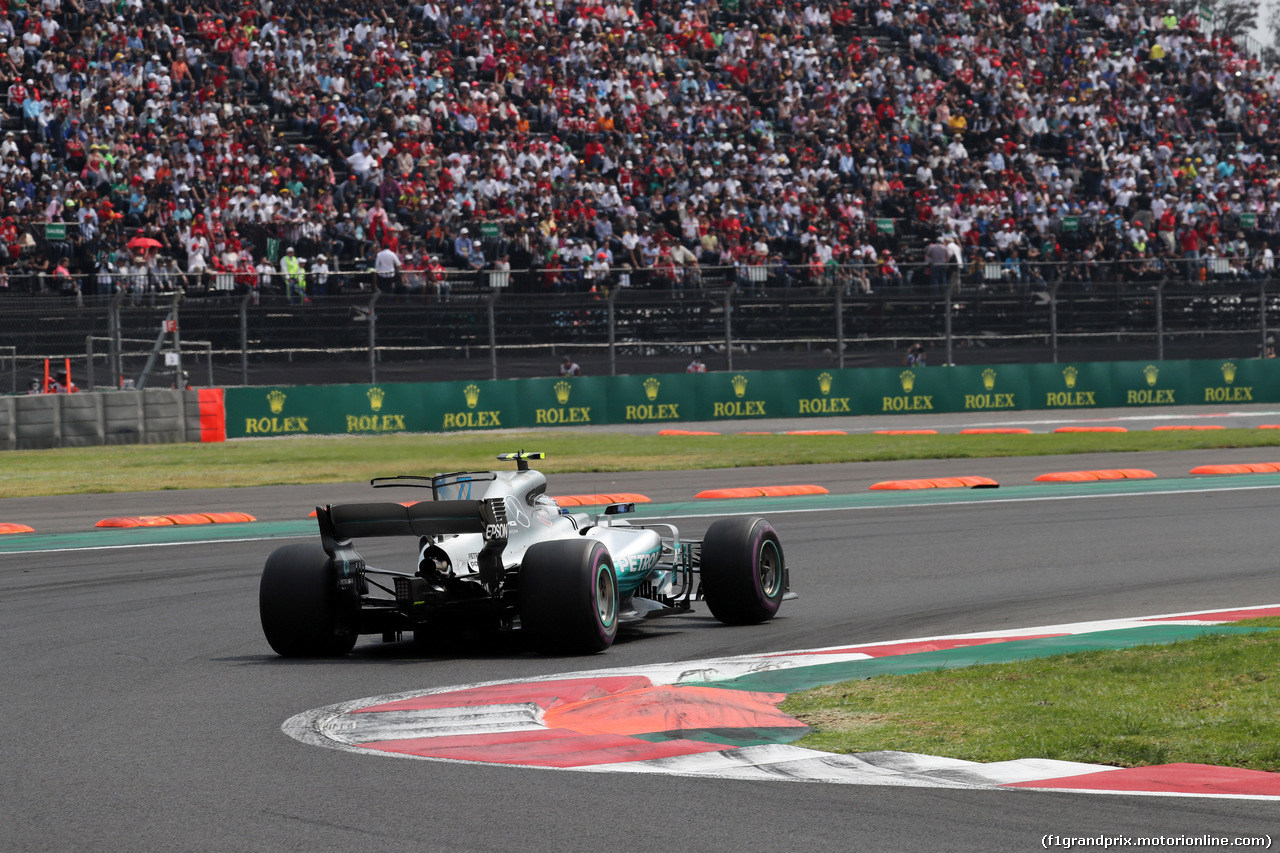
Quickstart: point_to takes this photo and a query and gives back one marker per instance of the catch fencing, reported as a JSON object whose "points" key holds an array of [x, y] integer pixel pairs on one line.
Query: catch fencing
{"points": [[354, 327]]}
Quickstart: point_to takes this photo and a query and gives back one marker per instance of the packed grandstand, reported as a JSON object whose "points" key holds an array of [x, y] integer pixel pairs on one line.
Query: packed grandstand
{"points": [[638, 141]]}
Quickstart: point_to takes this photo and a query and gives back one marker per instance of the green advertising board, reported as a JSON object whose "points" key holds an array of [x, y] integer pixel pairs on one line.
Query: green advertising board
{"points": [[326, 409], [665, 399], [898, 390], [999, 387], [748, 394], [294, 410], [367, 409], [672, 399], [568, 401], [816, 393], [1077, 385], [1153, 383], [465, 406], [1240, 380]]}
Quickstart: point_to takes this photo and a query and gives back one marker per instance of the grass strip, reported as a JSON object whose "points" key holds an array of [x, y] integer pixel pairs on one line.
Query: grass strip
{"points": [[1213, 699], [298, 461]]}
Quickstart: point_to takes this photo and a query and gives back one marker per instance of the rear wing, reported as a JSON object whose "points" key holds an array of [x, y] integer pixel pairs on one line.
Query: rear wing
{"points": [[425, 518], [340, 523]]}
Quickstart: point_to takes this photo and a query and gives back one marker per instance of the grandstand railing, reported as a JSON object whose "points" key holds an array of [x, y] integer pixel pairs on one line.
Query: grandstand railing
{"points": [[355, 326]]}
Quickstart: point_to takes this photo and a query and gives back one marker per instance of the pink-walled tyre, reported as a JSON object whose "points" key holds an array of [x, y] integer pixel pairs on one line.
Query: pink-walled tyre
{"points": [[743, 573], [569, 597]]}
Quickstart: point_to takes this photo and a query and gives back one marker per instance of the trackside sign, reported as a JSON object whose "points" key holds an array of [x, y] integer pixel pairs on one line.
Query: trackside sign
{"points": [[667, 399]]}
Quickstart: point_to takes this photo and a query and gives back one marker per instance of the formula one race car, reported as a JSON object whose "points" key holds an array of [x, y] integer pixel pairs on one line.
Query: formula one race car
{"points": [[494, 549]]}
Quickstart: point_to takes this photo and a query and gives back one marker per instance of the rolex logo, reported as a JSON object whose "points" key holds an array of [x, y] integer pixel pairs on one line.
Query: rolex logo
{"points": [[739, 385], [1229, 372], [1152, 373], [651, 387], [472, 393], [908, 381], [562, 392], [988, 379], [824, 383], [276, 401], [1069, 376], [376, 395]]}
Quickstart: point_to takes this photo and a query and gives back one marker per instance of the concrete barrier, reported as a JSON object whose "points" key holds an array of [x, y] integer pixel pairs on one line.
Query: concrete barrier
{"points": [[151, 416]]}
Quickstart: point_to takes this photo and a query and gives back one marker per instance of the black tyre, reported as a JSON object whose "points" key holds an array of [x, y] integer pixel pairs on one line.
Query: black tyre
{"points": [[569, 597], [743, 576], [300, 607]]}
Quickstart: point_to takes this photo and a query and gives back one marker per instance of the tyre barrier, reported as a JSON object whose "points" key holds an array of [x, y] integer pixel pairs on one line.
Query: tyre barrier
{"points": [[937, 483], [1180, 427], [15, 528], [601, 500], [687, 432], [753, 433], [1090, 476], [176, 519], [1091, 429], [905, 432], [1268, 426], [761, 492], [1238, 468], [997, 431], [815, 432]]}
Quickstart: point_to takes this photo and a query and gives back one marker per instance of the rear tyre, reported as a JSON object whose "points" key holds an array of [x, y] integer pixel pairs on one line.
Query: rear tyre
{"points": [[743, 575], [299, 603], [569, 597]]}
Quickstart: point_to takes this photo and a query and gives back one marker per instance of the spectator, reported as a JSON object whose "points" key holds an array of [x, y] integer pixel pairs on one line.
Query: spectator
{"points": [[318, 276], [936, 256], [438, 279], [569, 367], [720, 127], [915, 356], [295, 277], [386, 266], [62, 384]]}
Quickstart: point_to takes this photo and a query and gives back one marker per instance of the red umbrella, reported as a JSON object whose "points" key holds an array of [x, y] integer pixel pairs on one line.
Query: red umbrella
{"points": [[144, 243]]}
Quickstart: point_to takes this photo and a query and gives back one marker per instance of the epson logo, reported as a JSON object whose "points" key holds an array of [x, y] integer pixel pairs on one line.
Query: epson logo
{"points": [[495, 531]]}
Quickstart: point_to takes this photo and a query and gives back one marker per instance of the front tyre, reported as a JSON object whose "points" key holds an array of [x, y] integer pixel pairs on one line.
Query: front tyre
{"points": [[743, 573], [569, 597], [299, 603]]}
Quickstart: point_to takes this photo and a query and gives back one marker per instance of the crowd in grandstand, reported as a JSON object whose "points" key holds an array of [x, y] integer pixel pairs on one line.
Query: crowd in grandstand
{"points": [[609, 140]]}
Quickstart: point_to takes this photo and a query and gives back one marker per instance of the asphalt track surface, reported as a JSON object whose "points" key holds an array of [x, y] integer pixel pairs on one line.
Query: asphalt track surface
{"points": [[142, 707]]}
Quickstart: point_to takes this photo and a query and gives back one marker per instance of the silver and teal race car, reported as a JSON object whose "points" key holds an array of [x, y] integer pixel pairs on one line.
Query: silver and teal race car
{"points": [[495, 551]]}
